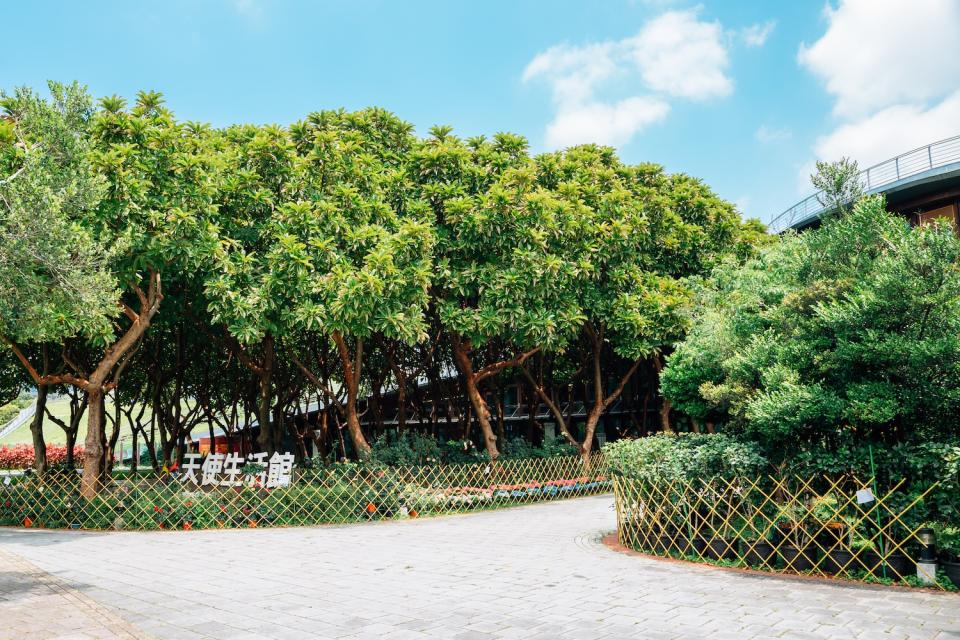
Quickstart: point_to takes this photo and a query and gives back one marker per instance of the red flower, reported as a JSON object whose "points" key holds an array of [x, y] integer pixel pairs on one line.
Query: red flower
{"points": [[156, 509], [371, 507]]}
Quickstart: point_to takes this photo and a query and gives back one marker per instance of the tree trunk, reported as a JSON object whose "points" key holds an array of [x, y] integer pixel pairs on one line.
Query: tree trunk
{"points": [[265, 439], [134, 451], [71, 435], [351, 377], [36, 430], [114, 434], [589, 429], [665, 404], [479, 405], [562, 422], [401, 403], [93, 444]]}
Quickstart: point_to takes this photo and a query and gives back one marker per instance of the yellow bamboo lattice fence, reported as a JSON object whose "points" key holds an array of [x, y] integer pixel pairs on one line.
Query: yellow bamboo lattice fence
{"points": [[332, 494], [816, 526]]}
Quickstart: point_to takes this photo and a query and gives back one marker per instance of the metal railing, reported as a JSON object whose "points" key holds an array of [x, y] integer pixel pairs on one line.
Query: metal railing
{"points": [[25, 414], [874, 179]]}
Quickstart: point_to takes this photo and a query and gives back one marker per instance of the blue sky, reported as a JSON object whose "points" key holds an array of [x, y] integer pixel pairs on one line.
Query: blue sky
{"points": [[742, 94]]}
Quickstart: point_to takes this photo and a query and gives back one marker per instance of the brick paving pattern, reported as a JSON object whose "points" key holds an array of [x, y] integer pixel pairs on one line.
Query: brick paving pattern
{"points": [[532, 572]]}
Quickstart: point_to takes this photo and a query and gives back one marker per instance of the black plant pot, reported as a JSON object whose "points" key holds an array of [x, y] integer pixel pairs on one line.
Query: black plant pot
{"points": [[699, 548], [760, 554], [645, 538], [952, 569], [840, 561], [669, 543], [797, 558], [834, 534], [680, 544], [897, 565], [722, 549]]}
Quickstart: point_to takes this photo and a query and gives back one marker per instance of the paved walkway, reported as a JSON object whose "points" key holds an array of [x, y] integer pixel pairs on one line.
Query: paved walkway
{"points": [[531, 572]]}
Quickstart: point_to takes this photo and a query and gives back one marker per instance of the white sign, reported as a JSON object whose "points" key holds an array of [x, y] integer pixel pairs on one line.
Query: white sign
{"points": [[226, 470], [864, 496]]}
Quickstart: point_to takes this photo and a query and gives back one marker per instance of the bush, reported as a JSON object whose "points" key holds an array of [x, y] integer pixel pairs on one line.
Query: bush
{"points": [[519, 448], [846, 334], [684, 457], [410, 448], [414, 448]]}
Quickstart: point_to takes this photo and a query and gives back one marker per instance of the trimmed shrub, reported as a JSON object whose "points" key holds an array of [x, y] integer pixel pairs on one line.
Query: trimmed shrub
{"points": [[685, 456]]}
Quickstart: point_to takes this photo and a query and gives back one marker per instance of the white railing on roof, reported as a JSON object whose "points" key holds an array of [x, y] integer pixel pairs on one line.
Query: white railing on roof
{"points": [[22, 417], [875, 178]]}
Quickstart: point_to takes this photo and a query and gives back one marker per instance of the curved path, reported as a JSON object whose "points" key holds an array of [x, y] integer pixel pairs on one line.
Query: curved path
{"points": [[530, 572]]}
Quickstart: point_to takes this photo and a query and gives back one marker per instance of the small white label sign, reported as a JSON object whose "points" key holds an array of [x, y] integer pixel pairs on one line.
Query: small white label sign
{"points": [[864, 496]]}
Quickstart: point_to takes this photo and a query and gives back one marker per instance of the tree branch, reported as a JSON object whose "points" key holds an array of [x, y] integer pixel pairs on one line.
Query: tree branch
{"points": [[490, 370]]}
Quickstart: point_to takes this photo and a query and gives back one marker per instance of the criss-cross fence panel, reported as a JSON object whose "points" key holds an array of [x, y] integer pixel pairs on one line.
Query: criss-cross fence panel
{"points": [[818, 525], [326, 494]]}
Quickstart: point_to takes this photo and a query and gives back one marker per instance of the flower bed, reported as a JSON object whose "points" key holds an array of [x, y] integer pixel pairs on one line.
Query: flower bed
{"points": [[20, 456]]}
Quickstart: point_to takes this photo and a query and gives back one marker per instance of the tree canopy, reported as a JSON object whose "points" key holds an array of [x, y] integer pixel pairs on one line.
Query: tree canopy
{"points": [[225, 276], [846, 335]]}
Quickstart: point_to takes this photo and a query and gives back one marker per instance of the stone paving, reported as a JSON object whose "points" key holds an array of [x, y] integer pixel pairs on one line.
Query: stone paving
{"points": [[535, 572]]}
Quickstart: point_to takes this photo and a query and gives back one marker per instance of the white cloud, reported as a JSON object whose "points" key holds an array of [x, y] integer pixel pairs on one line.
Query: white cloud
{"points": [[673, 55], [602, 123], [679, 55], [756, 34], [891, 131], [876, 53], [766, 134], [894, 73], [574, 72]]}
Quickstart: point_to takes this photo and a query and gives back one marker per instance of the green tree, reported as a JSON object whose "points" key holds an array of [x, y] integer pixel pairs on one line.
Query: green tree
{"points": [[504, 284], [838, 184], [248, 285], [641, 234], [846, 334], [360, 248], [55, 280]]}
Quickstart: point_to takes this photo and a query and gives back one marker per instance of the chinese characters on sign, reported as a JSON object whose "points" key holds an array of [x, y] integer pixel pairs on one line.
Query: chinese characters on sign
{"points": [[227, 470]]}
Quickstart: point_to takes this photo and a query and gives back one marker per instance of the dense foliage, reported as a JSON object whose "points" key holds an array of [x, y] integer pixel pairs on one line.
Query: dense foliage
{"points": [[843, 337], [685, 456], [208, 278]]}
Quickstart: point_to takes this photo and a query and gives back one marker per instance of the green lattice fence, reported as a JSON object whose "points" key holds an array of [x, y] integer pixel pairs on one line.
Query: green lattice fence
{"points": [[821, 526], [332, 494]]}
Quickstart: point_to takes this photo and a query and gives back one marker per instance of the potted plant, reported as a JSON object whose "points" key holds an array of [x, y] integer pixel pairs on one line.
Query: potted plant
{"points": [[948, 542], [870, 556], [758, 548], [722, 545], [830, 528], [795, 544]]}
